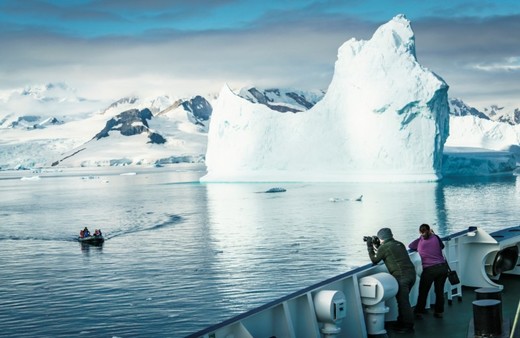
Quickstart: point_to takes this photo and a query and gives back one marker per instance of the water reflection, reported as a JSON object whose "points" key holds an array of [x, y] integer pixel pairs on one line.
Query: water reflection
{"points": [[86, 248], [260, 239], [245, 224], [487, 202], [442, 216]]}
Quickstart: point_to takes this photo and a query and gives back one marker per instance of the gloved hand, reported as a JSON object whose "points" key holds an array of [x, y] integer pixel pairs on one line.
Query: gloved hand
{"points": [[369, 242]]}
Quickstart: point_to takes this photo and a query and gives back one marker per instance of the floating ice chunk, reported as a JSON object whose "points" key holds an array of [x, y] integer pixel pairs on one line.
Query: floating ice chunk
{"points": [[31, 178]]}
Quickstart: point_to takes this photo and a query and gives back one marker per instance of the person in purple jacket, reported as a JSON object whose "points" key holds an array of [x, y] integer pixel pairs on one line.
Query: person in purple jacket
{"points": [[435, 270]]}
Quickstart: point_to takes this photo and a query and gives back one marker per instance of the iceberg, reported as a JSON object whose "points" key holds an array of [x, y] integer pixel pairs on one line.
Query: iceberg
{"points": [[384, 117]]}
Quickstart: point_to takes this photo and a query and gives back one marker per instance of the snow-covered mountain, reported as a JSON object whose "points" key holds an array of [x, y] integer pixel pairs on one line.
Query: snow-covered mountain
{"points": [[128, 131], [52, 100], [459, 108], [503, 114], [51, 92], [494, 112], [282, 100]]}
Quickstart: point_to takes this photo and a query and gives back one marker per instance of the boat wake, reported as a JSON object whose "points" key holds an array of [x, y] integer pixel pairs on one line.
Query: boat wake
{"points": [[170, 220], [37, 238]]}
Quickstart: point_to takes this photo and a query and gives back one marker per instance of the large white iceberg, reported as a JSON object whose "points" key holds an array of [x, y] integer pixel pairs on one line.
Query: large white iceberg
{"points": [[384, 118]]}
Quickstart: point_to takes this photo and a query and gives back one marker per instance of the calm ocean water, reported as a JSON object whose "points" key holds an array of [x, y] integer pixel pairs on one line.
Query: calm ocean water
{"points": [[181, 255]]}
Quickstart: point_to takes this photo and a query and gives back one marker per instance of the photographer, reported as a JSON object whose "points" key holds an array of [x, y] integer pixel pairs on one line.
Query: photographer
{"points": [[399, 265]]}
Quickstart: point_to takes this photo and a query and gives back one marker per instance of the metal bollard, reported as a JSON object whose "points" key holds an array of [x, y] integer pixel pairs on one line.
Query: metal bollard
{"points": [[491, 293], [488, 293], [487, 317]]}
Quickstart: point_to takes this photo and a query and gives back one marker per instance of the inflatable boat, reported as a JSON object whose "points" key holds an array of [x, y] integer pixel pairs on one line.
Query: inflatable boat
{"points": [[94, 240]]}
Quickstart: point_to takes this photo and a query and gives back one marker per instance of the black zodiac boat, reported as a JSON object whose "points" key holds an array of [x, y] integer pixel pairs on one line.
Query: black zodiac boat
{"points": [[94, 240]]}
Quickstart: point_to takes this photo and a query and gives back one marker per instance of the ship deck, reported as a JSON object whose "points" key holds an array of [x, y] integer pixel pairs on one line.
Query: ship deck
{"points": [[458, 315]]}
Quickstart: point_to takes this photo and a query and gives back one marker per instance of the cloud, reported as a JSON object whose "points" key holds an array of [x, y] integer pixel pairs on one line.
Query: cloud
{"points": [[267, 54], [463, 50], [509, 64], [294, 47]]}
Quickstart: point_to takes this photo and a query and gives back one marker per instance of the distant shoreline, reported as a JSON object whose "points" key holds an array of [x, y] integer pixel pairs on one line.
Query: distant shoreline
{"points": [[97, 171]]}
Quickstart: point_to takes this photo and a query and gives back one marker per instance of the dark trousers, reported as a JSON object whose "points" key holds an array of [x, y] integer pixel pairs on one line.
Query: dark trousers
{"points": [[405, 317], [435, 275]]}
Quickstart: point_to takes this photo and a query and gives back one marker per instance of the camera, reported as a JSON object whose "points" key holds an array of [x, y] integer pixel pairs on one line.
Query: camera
{"points": [[375, 240]]}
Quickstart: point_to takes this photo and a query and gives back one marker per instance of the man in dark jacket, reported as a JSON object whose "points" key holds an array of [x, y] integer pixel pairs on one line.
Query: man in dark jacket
{"points": [[399, 265]]}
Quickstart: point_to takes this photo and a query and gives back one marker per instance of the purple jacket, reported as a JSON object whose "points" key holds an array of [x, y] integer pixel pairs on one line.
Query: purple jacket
{"points": [[429, 249]]}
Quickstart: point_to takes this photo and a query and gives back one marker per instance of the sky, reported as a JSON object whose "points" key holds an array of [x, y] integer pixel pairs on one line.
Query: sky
{"points": [[108, 49]]}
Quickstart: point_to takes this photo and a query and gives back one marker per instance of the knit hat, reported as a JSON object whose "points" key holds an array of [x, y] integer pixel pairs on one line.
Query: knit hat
{"points": [[384, 234]]}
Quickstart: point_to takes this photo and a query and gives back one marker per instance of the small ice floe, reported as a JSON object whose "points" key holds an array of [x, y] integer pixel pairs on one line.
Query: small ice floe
{"points": [[90, 177], [336, 199], [273, 190], [31, 178]]}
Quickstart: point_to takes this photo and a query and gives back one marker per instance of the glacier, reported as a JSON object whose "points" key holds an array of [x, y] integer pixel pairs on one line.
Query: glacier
{"points": [[384, 117], [479, 146], [471, 131]]}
